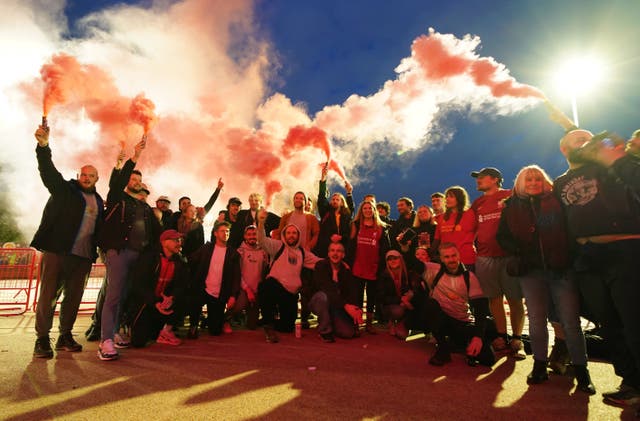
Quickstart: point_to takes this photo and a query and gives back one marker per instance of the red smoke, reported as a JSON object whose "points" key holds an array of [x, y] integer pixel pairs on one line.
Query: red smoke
{"points": [[335, 166], [440, 61], [271, 188], [80, 86], [301, 137], [142, 111]]}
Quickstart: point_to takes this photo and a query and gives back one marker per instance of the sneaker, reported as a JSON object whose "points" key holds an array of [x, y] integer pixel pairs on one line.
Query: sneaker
{"points": [[42, 348], [167, 337], [121, 341], [518, 349], [624, 396], [270, 335], [107, 350], [327, 337], [226, 327], [67, 343]]}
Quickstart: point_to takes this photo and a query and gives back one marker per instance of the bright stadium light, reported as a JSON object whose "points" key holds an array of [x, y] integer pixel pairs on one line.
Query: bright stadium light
{"points": [[577, 77]]}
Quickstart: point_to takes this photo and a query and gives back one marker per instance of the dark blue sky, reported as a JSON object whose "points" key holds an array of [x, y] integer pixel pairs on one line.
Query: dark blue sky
{"points": [[331, 49]]}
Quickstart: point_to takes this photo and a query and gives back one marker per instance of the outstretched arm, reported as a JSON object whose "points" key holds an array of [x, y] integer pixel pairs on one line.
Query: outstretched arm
{"points": [[51, 177]]}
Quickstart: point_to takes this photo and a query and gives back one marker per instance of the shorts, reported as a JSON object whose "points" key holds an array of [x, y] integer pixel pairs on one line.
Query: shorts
{"points": [[494, 280]]}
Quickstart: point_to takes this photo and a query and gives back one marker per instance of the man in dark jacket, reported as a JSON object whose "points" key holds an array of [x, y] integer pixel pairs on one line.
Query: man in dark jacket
{"points": [[334, 296], [130, 228], [67, 238], [157, 294], [215, 281], [600, 194]]}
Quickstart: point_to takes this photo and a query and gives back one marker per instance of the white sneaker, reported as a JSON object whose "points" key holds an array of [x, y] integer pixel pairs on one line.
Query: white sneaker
{"points": [[121, 341], [167, 337], [107, 351]]}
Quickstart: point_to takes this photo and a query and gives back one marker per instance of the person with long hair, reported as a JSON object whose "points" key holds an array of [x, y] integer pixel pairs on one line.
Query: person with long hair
{"points": [[397, 284], [368, 245], [335, 216], [532, 227], [457, 225]]}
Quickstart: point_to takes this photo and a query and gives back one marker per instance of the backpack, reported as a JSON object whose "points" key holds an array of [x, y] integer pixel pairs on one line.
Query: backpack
{"points": [[465, 275], [279, 253]]}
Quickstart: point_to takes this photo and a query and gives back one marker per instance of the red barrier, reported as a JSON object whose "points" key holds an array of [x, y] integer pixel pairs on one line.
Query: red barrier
{"points": [[17, 274]]}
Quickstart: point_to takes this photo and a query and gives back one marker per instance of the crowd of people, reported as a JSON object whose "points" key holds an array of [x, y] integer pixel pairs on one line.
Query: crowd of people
{"points": [[565, 247]]}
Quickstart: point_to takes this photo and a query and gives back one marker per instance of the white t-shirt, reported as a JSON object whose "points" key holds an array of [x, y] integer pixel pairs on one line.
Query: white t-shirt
{"points": [[451, 292], [214, 277]]}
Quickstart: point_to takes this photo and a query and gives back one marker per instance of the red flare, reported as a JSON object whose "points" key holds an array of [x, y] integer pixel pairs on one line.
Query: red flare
{"points": [[142, 111], [335, 166], [60, 75], [301, 137], [440, 61]]}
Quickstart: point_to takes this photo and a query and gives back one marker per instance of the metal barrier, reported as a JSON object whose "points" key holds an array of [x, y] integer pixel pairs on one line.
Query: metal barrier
{"points": [[17, 272], [94, 283]]}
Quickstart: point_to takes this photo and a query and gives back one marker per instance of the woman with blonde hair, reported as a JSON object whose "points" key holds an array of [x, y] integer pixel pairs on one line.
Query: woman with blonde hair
{"points": [[532, 227], [368, 245]]}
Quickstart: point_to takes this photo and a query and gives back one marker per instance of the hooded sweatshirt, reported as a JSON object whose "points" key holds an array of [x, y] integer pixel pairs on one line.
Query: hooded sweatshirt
{"points": [[253, 264], [287, 267]]}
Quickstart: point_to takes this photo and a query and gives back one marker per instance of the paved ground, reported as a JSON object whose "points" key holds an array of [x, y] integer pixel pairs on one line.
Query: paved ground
{"points": [[240, 376]]}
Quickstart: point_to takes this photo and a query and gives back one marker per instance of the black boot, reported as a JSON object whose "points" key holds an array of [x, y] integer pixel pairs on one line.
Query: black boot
{"points": [[583, 379], [559, 357], [539, 373]]}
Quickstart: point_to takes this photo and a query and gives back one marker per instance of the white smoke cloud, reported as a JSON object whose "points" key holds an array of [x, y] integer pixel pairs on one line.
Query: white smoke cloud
{"points": [[209, 75]]}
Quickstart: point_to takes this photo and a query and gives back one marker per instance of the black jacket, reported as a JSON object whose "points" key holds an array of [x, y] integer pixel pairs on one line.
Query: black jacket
{"points": [[121, 212], [339, 293], [146, 272], [328, 225], [243, 220], [64, 210], [535, 230], [200, 261]]}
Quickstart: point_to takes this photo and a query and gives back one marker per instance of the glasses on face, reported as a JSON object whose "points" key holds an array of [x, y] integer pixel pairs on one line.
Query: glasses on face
{"points": [[393, 258], [177, 240]]}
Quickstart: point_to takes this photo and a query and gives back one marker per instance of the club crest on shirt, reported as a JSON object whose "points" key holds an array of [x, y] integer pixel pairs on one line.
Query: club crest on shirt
{"points": [[579, 191]]}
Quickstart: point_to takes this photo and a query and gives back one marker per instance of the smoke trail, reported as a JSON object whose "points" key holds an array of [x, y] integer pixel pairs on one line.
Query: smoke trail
{"points": [[214, 118]]}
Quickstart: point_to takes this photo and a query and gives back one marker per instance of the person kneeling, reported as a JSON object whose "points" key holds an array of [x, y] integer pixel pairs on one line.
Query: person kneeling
{"points": [[333, 298], [158, 292], [453, 293]]}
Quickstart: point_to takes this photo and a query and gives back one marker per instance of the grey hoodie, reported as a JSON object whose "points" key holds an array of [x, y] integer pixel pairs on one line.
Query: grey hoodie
{"points": [[286, 269]]}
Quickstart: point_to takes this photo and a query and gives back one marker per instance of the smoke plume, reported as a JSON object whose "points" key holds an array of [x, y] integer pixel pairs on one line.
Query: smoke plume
{"points": [[208, 105]]}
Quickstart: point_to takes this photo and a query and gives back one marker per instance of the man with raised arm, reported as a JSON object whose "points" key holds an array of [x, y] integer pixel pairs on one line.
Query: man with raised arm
{"points": [[130, 227], [67, 239]]}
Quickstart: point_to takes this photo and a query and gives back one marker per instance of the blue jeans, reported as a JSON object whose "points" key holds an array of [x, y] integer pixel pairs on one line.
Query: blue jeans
{"points": [[544, 291], [118, 265], [335, 320]]}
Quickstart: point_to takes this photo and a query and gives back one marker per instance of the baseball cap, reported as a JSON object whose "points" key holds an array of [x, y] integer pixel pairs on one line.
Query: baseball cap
{"points": [[170, 235], [490, 171], [163, 199], [234, 200]]}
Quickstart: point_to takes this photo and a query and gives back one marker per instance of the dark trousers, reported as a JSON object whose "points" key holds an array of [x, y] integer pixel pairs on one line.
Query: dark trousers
{"points": [[371, 287], [215, 313], [609, 282], [453, 334], [60, 273], [146, 324], [275, 299]]}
